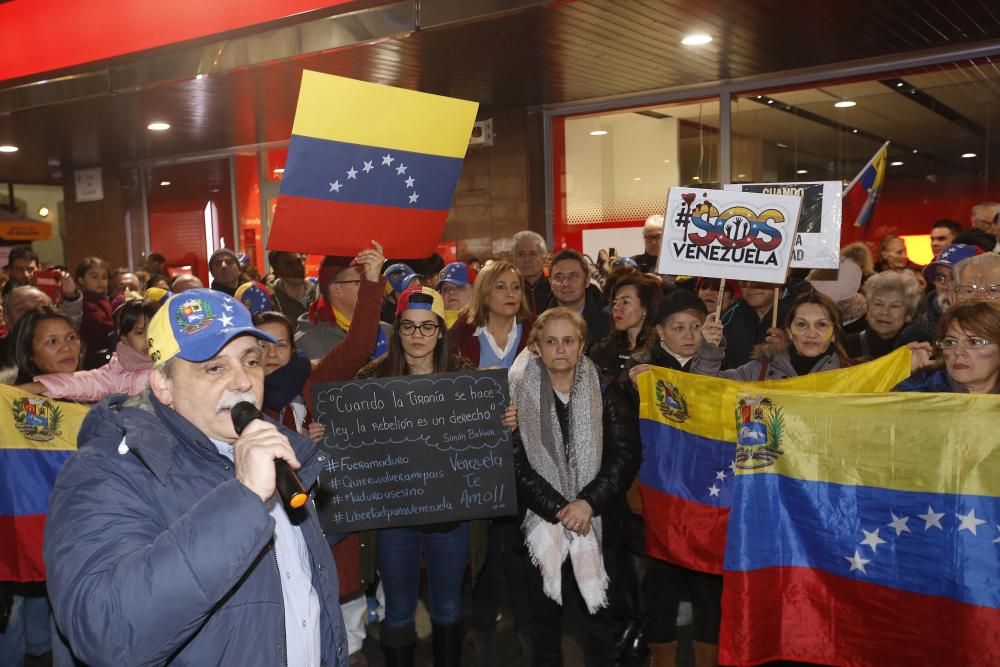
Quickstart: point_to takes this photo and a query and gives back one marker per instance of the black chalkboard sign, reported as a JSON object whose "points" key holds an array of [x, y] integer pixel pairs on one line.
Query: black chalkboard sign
{"points": [[414, 450]]}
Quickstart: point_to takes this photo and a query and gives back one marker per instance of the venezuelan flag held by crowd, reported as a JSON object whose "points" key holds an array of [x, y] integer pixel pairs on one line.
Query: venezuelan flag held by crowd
{"points": [[369, 161], [861, 194], [37, 435], [872, 539], [689, 451]]}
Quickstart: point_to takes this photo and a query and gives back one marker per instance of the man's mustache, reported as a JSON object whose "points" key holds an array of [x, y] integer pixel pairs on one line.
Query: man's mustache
{"points": [[226, 404]]}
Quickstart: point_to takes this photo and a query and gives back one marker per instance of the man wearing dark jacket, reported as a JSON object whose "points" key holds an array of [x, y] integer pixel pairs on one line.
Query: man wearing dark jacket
{"points": [[165, 539], [569, 281]]}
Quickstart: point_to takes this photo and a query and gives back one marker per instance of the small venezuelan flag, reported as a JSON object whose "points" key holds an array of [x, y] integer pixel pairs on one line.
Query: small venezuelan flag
{"points": [[369, 162], [861, 194], [865, 531], [689, 452], [37, 435]]}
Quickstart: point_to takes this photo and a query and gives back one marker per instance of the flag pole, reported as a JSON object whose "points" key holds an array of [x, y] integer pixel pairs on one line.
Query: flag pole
{"points": [[774, 309], [718, 302], [862, 170]]}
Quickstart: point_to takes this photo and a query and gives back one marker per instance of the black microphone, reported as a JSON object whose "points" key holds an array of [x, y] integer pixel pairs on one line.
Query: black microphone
{"points": [[292, 493]]}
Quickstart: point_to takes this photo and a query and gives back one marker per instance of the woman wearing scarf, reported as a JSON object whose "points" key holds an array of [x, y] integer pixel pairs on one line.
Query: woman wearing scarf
{"points": [[575, 453], [288, 380]]}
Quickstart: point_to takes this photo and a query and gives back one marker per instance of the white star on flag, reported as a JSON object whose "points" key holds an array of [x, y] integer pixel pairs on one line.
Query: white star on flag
{"points": [[414, 197], [401, 169], [932, 518], [720, 475], [857, 562], [969, 521], [899, 524], [352, 172], [335, 186], [387, 159], [409, 181], [228, 306], [226, 321], [997, 541], [732, 466], [872, 539], [713, 490], [368, 166]]}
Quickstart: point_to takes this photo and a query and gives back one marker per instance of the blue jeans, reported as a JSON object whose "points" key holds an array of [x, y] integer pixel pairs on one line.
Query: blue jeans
{"points": [[27, 630], [508, 568], [399, 557]]}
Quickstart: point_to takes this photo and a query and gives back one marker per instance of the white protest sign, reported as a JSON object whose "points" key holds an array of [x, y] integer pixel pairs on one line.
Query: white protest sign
{"points": [[728, 234], [817, 243]]}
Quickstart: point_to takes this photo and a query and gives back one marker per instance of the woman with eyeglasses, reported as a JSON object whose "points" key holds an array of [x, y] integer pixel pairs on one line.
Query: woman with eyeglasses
{"points": [[491, 331], [969, 355], [633, 304], [419, 346]]}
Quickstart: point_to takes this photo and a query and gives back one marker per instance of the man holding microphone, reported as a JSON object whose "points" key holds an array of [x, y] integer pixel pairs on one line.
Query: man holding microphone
{"points": [[166, 540]]}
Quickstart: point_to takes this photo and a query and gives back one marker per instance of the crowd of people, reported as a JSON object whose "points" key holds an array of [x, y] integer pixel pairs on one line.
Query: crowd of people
{"points": [[133, 543]]}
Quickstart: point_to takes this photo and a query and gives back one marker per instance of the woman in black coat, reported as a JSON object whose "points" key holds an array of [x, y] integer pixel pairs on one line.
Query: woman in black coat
{"points": [[575, 452]]}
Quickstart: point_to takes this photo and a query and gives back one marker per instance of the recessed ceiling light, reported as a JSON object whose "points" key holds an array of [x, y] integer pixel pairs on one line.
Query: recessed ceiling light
{"points": [[844, 104], [279, 170], [158, 126], [899, 84], [164, 183], [770, 101], [637, 178], [968, 155], [43, 212], [696, 178], [666, 162], [781, 145], [854, 131], [696, 39], [801, 171], [914, 151], [8, 148], [897, 163], [741, 175], [598, 133]]}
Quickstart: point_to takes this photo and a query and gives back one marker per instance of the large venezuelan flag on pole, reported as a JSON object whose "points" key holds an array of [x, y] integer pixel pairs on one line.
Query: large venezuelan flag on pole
{"points": [[866, 531], [861, 194], [368, 161], [37, 435], [689, 452]]}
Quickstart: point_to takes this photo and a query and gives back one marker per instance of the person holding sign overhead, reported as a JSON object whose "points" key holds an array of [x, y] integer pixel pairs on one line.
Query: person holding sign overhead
{"points": [[419, 346], [575, 452]]}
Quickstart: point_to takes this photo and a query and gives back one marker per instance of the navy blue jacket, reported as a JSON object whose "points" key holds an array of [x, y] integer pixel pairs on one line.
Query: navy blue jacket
{"points": [[157, 554]]}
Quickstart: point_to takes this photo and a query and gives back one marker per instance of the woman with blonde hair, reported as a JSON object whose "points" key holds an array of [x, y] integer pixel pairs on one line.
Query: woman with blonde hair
{"points": [[576, 450]]}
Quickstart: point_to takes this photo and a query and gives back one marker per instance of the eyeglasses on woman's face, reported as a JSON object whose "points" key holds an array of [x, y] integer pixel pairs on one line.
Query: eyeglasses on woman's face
{"points": [[969, 343], [407, 328]]}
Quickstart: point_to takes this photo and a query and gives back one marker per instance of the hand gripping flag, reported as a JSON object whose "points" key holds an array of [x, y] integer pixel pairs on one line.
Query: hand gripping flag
{"points": [[37, 435], [366, 162], [689, 452], [864, 530], [861, 194]]}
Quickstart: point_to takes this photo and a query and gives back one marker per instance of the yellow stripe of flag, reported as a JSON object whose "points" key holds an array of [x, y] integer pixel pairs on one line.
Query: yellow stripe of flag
{"points": [[340, 109], [711, 402], [28, 421], [930, 443]]}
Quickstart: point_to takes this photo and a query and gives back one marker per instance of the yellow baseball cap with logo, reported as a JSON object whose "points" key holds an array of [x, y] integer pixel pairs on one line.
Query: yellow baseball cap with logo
{"points": [[195, 325]]}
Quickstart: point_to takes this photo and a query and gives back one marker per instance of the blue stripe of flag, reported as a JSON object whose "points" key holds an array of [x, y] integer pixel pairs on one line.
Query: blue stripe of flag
{"points": [[26, 479], [357, 174], [780, 521], [685, 465]]}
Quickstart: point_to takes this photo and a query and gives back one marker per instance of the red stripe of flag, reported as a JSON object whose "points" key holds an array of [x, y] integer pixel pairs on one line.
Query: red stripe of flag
{"points": [[414, 232], [809, 615], [21, 548], [688, 534]]}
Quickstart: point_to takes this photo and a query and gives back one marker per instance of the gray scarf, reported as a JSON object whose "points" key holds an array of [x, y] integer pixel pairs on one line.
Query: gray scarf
{"points": [[568, 468]]}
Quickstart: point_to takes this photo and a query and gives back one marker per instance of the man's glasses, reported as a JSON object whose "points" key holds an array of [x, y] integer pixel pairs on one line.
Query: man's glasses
{"points": [[407, 328], [970, 343], [991, 292]]}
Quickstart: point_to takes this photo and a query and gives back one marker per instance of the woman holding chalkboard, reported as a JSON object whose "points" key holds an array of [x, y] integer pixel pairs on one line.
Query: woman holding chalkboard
{"points": [[575, 453], [491, 331], [419, 346]]}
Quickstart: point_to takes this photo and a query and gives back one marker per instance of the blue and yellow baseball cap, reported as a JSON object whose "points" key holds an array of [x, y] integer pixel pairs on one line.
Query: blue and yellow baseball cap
{"points": [[196, 324], [255, 296], [421, 298]]}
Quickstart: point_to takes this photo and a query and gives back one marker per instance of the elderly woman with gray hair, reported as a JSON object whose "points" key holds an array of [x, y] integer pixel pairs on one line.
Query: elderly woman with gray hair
{"points": [[576, 451], [893, 298]]}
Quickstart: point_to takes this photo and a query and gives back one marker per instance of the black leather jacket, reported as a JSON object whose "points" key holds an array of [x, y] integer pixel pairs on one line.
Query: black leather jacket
{"points": [[619, 463]]}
